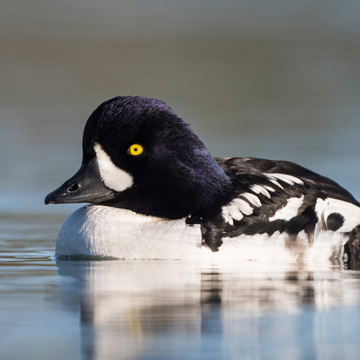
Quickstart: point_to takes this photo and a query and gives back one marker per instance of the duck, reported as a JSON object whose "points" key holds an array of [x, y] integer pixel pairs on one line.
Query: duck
{"points": [[154, 191]]}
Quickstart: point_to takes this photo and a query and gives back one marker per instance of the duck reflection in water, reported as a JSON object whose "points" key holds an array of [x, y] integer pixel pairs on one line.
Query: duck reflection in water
{"points": [[160, 309]]}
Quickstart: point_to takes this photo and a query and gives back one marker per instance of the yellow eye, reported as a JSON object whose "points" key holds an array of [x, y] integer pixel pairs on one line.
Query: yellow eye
{"points": [[135, 149]]}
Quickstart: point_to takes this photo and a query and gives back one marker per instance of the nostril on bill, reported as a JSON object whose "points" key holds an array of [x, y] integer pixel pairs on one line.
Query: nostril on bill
{"points": [[73, 188]]}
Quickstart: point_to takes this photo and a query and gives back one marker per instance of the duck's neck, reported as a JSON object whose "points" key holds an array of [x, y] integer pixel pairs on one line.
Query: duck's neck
{"points": [[200, 189]]}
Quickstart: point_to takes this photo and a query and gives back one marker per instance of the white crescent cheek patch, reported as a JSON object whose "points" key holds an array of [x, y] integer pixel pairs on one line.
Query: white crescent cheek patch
{"points": [[113, 177]]}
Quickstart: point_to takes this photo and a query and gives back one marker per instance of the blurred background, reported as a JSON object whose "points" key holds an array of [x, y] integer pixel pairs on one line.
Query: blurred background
{"points": [[275, 79]]}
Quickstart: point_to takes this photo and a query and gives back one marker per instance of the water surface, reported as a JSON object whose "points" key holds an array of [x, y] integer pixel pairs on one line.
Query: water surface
{"points": [[169, 309]]}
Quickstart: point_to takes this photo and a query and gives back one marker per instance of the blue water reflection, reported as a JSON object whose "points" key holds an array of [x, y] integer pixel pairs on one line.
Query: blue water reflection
{"points": [[166, 310], [175, 310]]}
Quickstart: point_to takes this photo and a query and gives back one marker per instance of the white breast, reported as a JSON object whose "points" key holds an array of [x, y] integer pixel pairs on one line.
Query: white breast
{"points": [[110, 232]]}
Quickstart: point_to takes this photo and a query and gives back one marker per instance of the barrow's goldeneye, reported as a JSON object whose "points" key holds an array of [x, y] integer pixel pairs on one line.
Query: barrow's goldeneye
{"points": [[159, 193]]}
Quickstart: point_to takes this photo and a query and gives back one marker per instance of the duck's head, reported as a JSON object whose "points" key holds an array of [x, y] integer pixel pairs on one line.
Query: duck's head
{"points": [[139, 155]]}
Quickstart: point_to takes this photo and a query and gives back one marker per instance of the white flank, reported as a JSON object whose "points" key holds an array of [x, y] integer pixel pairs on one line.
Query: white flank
{"points": [[278, 249], [350, 212], [289, 210], [113, 177], [259, 248], [258, 189], [289, 179]]}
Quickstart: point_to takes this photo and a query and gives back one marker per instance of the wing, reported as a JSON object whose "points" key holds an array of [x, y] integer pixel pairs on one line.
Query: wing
{"points": [[237, 168], [270, 196]]}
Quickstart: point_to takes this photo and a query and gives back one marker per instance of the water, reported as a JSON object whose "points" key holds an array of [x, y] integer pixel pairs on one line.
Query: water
{"points": [[278, 82], [170, 310], [165, 310]]}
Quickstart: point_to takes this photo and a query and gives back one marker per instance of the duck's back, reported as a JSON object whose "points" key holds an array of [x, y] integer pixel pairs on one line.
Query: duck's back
{"points": [[280, 197], [251, 169]]}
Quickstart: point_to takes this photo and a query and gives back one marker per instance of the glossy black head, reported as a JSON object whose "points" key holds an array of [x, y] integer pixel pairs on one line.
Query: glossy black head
{"points": [[141, 156]]}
